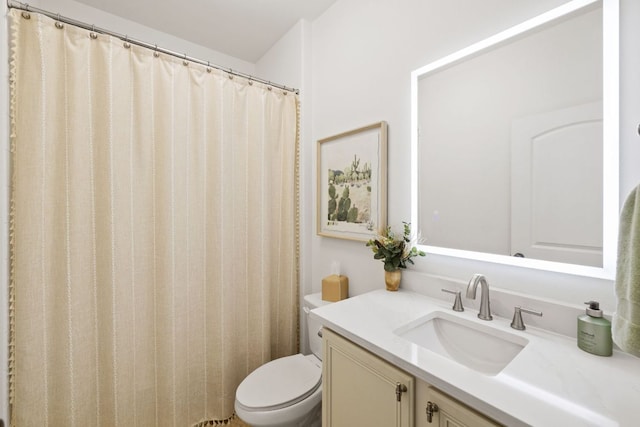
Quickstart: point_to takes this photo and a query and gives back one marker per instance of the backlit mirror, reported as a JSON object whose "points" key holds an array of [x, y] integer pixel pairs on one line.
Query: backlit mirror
{"points": [[515, 144]]}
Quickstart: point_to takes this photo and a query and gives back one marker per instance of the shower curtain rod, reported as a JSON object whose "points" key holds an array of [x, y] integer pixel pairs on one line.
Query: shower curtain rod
{"points": [[25, 7]]}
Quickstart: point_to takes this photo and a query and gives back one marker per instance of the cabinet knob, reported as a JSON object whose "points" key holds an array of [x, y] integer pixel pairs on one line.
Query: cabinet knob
{"points": [[431, 408], [400, 388]]}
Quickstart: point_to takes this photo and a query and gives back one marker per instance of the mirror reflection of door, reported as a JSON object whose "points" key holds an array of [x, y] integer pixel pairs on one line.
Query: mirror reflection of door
{"points": [[465, 113], [556, 185]]}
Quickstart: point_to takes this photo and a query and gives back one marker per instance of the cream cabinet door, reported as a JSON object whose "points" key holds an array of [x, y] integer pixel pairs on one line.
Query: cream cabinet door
{"points": [[360, 389], [445, 411]]}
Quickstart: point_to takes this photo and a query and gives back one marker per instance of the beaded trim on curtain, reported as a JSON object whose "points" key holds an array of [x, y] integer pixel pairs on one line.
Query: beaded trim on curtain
{"points": [[231, 421], [297, 220]]}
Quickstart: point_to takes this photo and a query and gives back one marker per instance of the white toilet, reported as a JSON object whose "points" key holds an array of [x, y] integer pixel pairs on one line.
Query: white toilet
{"points": [[286, 392]]}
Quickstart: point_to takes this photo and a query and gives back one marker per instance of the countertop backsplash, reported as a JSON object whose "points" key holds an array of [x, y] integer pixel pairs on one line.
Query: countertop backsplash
{"points": [[556, 317]]}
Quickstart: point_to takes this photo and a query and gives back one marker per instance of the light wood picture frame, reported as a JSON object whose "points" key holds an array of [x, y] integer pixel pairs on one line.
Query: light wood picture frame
{"points": [[352, 183]]}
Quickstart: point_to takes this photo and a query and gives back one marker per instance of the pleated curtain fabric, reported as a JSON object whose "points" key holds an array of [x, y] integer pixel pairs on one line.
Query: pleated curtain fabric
{"points": [[153, 231]]}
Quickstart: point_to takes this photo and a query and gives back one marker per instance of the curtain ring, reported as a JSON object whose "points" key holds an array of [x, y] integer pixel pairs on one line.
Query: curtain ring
{"points": [[208, 67], [126, 43], [250, 81], [93, 34], [59, 25], [26, 14], [155, 52], [184, 61]]}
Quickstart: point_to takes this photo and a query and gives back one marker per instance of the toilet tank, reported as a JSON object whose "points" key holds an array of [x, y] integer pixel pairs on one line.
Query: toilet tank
{"points": [[313, 326]]}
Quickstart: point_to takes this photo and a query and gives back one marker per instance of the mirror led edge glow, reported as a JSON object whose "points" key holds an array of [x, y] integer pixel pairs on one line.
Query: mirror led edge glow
{"points": [[611, 174]]}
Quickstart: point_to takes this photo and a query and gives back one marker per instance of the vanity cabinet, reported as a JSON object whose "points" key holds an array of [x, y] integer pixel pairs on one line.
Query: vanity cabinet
{"points": [[360, 389], [436, 409]]}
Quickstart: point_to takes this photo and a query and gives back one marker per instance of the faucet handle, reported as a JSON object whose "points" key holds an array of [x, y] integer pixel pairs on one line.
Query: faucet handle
{"points": [[517, 322], [457, 305]]}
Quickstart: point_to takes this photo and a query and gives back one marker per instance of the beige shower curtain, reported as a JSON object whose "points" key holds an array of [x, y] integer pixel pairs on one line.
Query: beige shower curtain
{"points": [[153, 231]]}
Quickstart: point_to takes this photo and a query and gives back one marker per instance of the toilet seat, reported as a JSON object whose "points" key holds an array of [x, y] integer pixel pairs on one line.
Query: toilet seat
{"points": [[288, 381]]}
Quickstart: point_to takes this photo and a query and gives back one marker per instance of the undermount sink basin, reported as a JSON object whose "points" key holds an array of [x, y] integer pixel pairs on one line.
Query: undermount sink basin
{"points": [[480, 347]]}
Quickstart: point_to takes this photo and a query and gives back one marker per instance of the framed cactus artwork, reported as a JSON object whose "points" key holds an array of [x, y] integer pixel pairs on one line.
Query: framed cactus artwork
{"points": [[352, 183]]}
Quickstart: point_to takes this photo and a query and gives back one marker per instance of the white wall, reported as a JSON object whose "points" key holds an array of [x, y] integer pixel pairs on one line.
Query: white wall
{"points": [[356, 61], [93, 16], [629, 96], [363, 54]]}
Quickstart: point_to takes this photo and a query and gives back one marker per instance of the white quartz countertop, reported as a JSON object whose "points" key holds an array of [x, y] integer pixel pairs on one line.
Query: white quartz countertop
{"points": [[551, 382]]}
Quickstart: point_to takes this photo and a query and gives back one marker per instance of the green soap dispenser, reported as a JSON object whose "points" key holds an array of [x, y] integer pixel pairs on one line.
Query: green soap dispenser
{"points": [[594, 331]]}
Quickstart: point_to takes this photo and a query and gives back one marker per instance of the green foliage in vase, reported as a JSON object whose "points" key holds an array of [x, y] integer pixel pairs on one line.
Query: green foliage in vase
{"points": [[394, 251]]}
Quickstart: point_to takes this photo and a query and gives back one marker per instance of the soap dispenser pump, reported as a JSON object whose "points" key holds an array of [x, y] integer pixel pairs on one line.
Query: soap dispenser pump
{"points": [[594, 331]]}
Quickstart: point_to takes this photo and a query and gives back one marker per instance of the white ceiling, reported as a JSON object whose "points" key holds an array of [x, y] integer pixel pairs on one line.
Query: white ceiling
{"points": [[245, 29]]}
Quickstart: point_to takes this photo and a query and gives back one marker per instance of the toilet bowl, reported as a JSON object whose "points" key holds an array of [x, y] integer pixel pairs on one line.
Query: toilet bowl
{"points": [[286, 392]]}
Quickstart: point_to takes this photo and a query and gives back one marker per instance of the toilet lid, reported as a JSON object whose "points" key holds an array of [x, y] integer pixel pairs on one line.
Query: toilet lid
{"points": [[279, 383]]}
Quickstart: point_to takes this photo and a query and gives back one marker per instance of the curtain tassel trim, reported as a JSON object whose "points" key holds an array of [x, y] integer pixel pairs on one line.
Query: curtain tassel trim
{"points": [[11, 368], [232, 420]]}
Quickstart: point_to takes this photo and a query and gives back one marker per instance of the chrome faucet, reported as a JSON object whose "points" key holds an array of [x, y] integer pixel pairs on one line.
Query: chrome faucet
{"points": [[485, 309]]}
